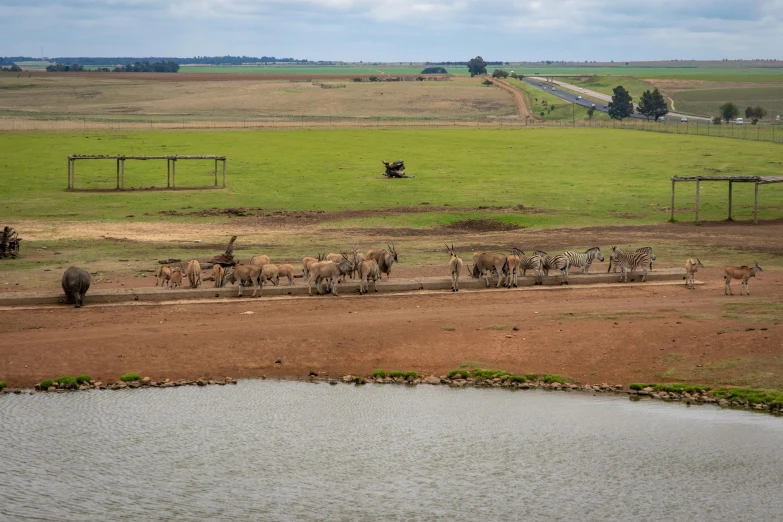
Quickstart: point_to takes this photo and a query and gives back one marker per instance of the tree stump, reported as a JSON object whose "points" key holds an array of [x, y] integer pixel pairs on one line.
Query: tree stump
{"points": [[226, 258], [395, 169], [9, 243]]}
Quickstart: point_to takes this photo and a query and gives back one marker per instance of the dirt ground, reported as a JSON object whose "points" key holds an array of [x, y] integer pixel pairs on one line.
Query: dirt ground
{"points": [[619, 335], [615, 336]]}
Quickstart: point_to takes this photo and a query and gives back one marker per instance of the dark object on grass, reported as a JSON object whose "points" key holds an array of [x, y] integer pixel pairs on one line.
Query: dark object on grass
{"points": [[395, 169], [170, 261], [226, 258], [9, 243], [75, 282]]}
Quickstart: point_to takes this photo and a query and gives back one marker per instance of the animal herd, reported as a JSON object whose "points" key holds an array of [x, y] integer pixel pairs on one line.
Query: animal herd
{"points": [[326, 271]]}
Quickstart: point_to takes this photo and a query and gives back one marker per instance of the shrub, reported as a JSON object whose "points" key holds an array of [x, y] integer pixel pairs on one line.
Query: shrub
{"points": [[717, 120], [379, 373], [531, 376], [769, 397], [411, 374], [357, 79], [463, 373], [68, 382], [517, 378], [358, 381], [395, 374], [2, 385], [487, 82], [373, 78], [499, 73], [129, 377], [553, 377], [81, 379], [638, 386], [46, 384], [434, 70], [488, 374]]}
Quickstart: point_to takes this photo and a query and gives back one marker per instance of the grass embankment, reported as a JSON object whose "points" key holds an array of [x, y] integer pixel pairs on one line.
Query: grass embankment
{"points": [[567, 176], [749, 395], [502, 375], [550, 107]]}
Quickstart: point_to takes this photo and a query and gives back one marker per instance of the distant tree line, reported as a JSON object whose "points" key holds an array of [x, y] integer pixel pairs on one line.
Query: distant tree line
{"points": [[12, 68], [463, 63], [160, 67], [434, 70], [202, 60], [58, 67], [11, 60]]}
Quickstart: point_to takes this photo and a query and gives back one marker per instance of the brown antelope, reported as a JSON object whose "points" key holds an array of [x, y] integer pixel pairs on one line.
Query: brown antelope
{"points": [[455, 267], [269, 274], [484, 264], [218, 272], [307, 262], [193, 273], [368, 269], [358, 257], [329, 272], [176, 278], [336, 259], [286, 271], [164, 273], [744, 273], [691, 267], [514, 263], [260, 260], [242, 274], [384, 258]]}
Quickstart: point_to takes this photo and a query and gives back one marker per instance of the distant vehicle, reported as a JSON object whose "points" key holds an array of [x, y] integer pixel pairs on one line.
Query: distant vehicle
{"points": [[553, 88], [578, 97], [593, 105], [662, 119], [739, 121], [683, 120], [777, 118]]}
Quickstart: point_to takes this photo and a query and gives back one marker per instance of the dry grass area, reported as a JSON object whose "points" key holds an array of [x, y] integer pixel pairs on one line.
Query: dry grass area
{"points": [[100, 97], [704, 97]]}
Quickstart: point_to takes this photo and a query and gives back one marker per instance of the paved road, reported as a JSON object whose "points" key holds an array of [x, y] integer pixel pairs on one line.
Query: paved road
{"points": [[600, 100]]}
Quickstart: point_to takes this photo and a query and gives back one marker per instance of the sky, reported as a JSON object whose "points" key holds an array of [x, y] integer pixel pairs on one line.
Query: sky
{"points": [[396, 30]]}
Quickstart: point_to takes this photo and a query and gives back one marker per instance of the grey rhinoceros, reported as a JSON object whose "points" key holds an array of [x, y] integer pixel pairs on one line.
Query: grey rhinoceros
{"points": [[76, 282]]}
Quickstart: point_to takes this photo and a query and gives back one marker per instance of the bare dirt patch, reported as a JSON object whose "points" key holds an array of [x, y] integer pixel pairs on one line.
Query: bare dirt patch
{"points": [[481, 225]]}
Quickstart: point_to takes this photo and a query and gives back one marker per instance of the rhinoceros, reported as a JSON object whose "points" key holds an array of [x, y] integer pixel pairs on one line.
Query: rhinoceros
{"points": [[76, 282]]}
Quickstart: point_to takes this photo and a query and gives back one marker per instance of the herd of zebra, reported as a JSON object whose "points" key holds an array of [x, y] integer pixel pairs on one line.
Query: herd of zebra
{"points": [[507, 267]]}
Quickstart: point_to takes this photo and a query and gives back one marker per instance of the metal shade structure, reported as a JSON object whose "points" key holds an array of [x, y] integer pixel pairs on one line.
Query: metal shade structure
{"points": [[757, 180], [171, 167]]}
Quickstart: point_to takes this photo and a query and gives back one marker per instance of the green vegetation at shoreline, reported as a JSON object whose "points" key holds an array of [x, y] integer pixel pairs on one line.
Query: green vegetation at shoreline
{"points": [[130, 377], [559, 176], [772, 398]]}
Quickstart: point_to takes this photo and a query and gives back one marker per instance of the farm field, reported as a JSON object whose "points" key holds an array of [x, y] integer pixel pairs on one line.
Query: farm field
{"points": [[101, 97]]}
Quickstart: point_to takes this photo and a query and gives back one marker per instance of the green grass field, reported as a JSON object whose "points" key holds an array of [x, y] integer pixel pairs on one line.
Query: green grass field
{"points": [[316, 69], [573, 176]]}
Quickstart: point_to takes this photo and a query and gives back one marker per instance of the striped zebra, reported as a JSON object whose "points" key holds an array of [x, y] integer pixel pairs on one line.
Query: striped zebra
{"points": [[584, 260], [629, 261], [643, 250], [557, 262], [526, 263]]}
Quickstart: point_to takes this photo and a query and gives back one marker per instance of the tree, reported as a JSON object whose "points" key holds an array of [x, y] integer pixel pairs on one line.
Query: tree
{"points": [[434, 70], [754, 114], [728, 111], [590, 113], [499, 73], [476, 66], [652, 105], [621, 105]]}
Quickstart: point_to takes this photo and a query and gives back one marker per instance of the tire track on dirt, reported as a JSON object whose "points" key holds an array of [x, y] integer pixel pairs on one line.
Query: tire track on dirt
{"points": [[520, 103]]}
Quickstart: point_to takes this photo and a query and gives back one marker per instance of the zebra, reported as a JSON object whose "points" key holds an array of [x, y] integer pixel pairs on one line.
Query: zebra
{"points": [[526, 263], [584, 260], [630, 261], [643, 250], [557, 262]]}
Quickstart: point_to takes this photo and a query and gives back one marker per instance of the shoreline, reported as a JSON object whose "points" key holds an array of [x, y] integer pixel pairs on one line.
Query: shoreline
{"points": [[689, 394]]}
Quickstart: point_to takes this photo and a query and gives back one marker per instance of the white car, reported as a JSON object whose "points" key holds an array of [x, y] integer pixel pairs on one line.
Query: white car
{"points": [[683, 120], [739, 121], [578, 97], [593, 105], [553, 88]]}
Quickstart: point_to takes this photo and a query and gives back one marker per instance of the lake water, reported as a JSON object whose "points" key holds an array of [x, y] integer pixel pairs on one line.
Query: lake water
{"points": [[269, 450]]}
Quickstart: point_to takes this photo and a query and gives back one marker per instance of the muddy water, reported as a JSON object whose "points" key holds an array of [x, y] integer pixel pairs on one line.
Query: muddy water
{"points": [[266, 450]]}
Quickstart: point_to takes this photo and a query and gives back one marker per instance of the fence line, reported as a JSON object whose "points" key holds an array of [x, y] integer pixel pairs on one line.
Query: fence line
{"points": [[761, 132]]}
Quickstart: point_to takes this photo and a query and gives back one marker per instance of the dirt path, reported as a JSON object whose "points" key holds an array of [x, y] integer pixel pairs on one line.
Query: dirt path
{"points": [[523, 111], [621, 335]]}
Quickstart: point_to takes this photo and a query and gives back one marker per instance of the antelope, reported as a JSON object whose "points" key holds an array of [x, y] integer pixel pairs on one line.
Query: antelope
{"points": [[358, 257], [328, 271], [336, 258], [269, 274], [484, 264], [384, 258], [164, 273], [368, 269], [691, 267], [243, 273], [744, 273], [514, 263], [260, 260], [193, 273], [307, 262], [176, 278], [455, 267], [286, 271], [218, 273]]}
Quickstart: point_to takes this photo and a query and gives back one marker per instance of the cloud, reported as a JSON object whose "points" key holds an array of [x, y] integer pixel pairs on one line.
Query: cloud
{"points": [[397, 29]]}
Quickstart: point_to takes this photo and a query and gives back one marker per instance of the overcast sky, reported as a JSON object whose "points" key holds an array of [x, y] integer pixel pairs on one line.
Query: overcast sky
{"points": [[396, 30]]}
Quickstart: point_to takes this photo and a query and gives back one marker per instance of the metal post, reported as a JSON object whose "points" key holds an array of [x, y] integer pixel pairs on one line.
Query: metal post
{"points": [[168, 173], [123, 173], [216, 172], [672, 218], [73, 173], [69, 172], [174, 172], [697, 200], [730, 191], [224, 173], [756, 205], [118, 173]]}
